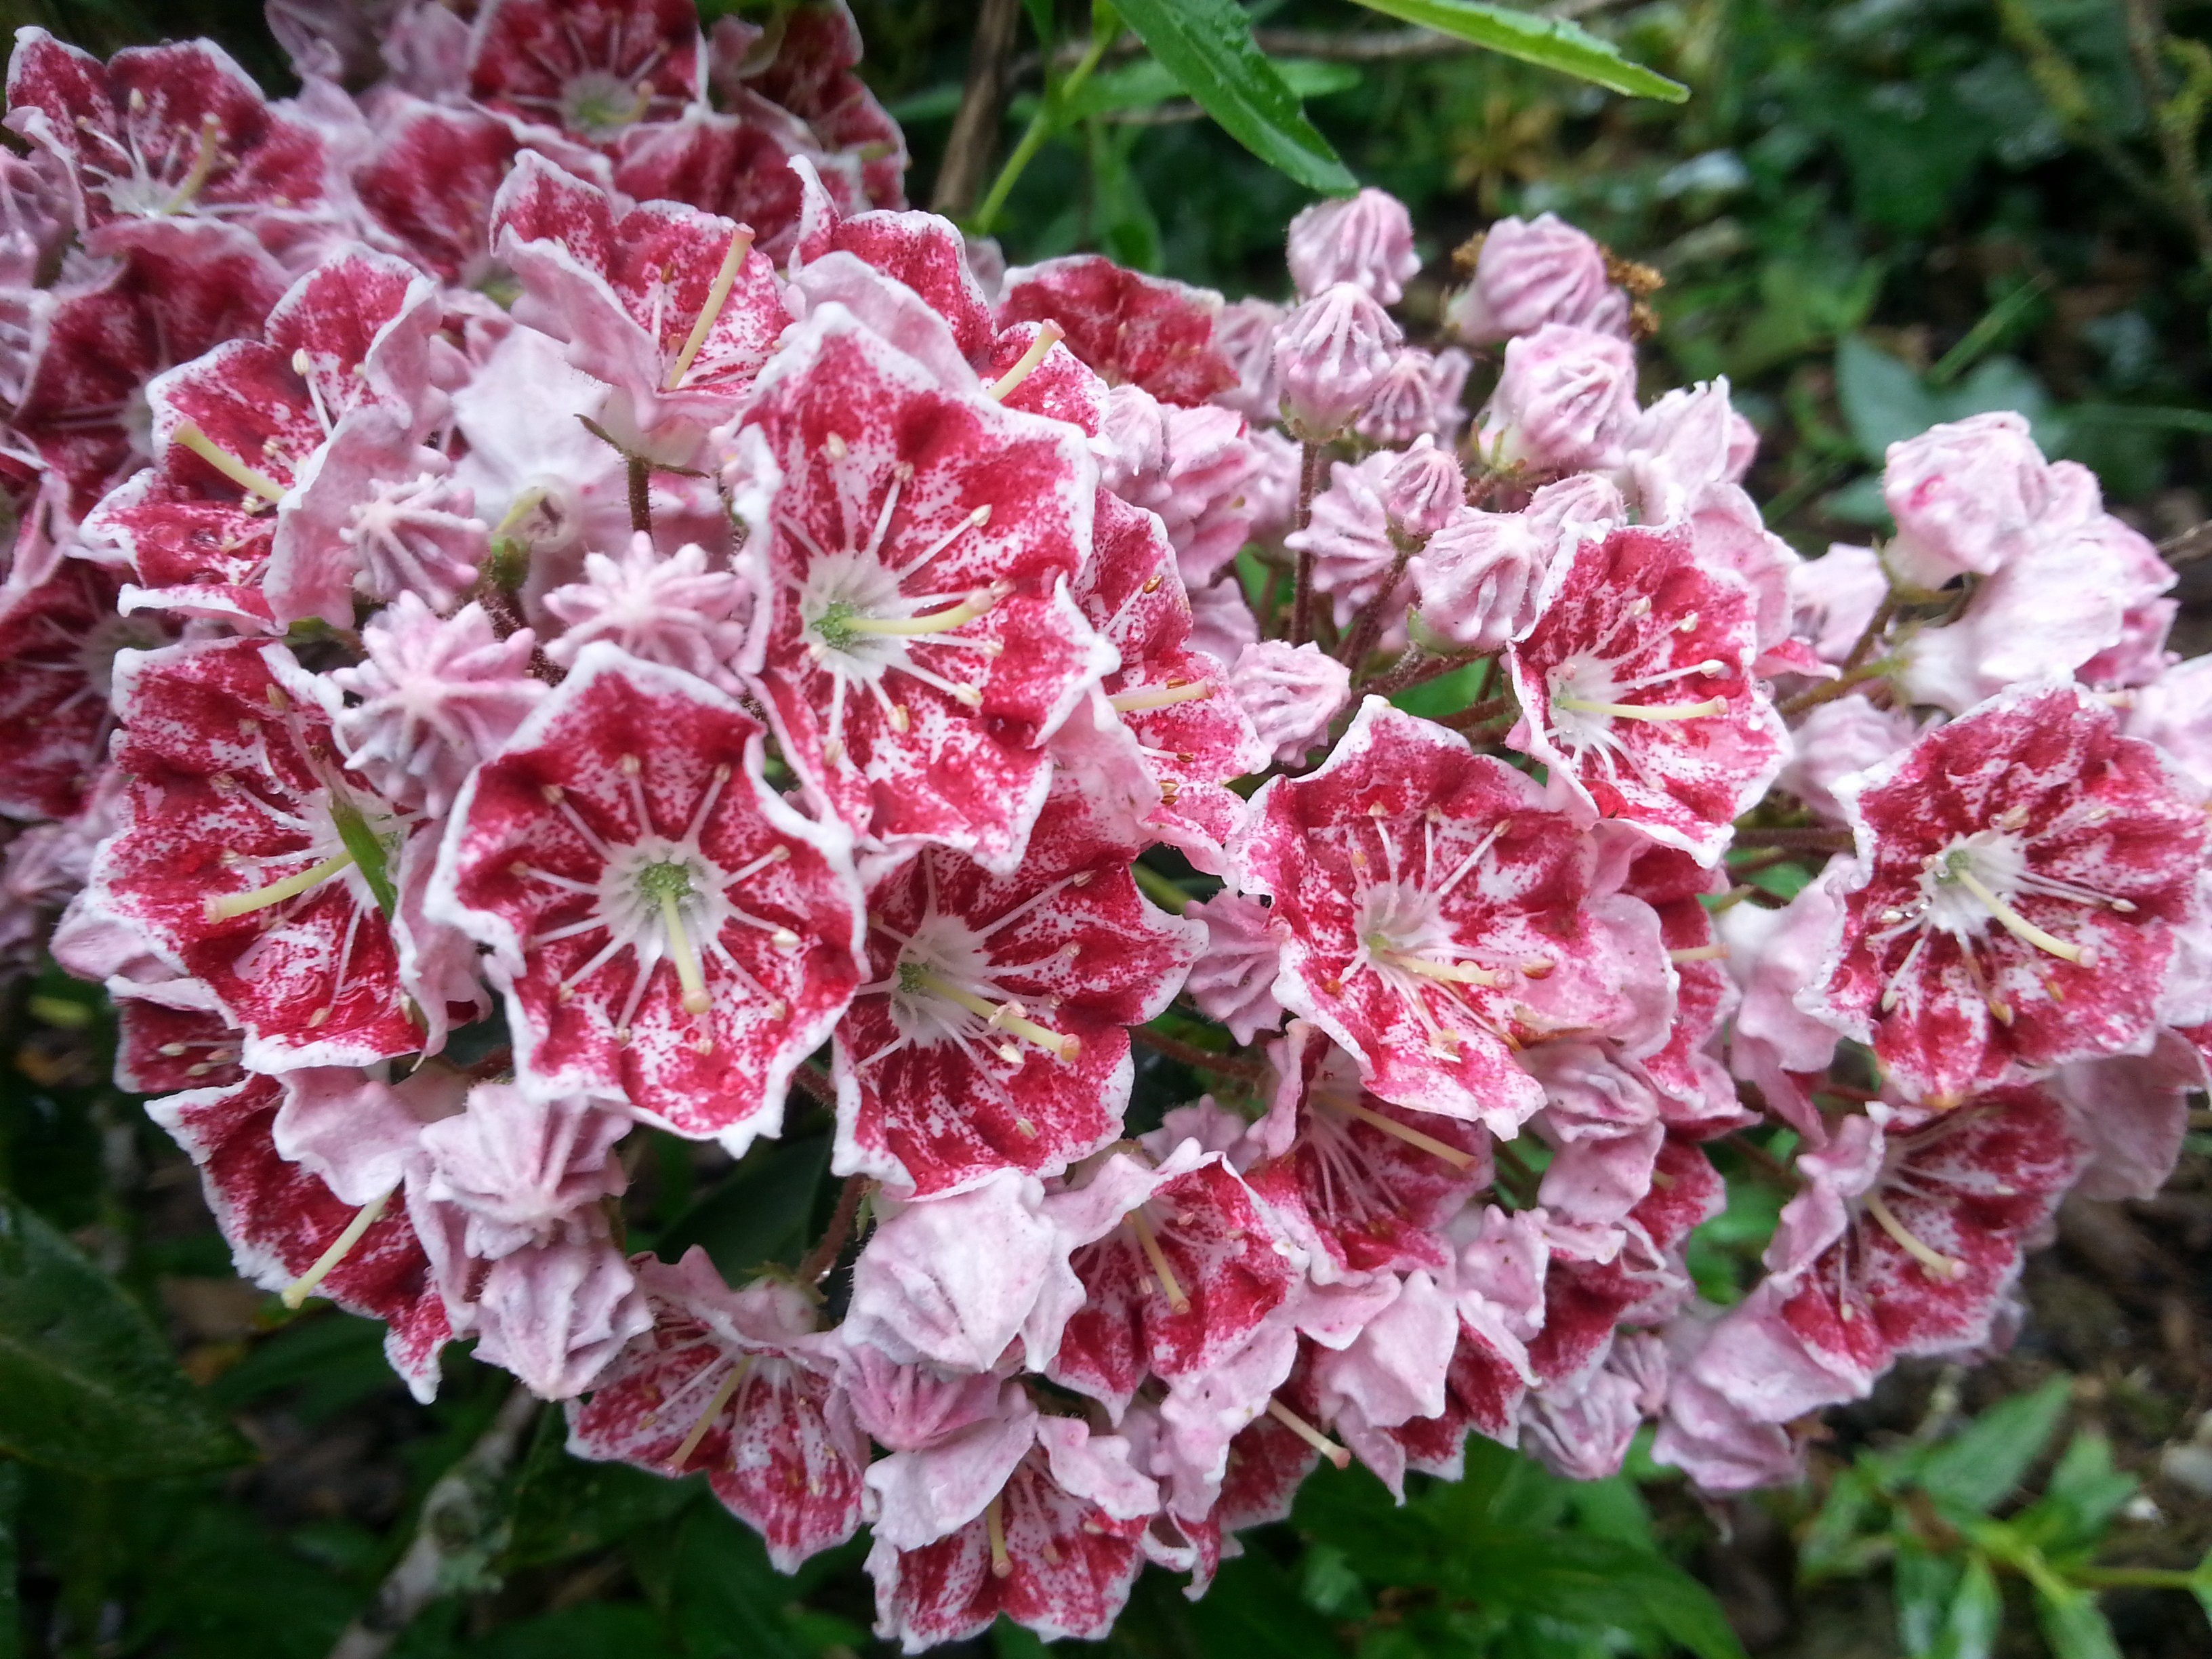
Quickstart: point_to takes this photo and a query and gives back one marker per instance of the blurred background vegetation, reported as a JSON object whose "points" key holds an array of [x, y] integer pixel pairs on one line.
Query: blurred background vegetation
{"points": [[1869, 216]]}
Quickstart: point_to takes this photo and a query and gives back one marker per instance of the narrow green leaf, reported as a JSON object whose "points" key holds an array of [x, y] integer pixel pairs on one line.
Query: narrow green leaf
{"points": [[1207, 45], [86, 1382], [1925, 1584], [1970, 1628], [1980, 1467], [1146, 84], [2084, 1492], [1549, 42], [2072, 1623], [368, 853]]}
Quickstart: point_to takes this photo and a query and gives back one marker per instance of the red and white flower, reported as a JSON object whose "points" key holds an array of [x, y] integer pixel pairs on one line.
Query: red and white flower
{"points": [[993, 1034], [1132, 329], [2022, 875], [1441, 920], [924, 644], [667, 931], [1636, 689], [736, 1383], [590, 70]]}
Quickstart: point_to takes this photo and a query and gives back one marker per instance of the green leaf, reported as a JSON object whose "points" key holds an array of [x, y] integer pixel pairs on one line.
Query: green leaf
{"points": [[368, 853], [595, 1629], [758, 1212], [1549, 42], [1980, 1467], [1147, 83], [564, 1506], [1208, 46], [11, 1551], [2084, 1492], [2072, 1623], [87, 1384], [1883, 400], [1925, 1583], [1977, 1611], [726, 1599]]}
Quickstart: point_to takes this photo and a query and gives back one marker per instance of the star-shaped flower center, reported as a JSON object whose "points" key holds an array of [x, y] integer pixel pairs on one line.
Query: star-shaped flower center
{"points": [[1588, 692], [946, 989], [156, 167]]}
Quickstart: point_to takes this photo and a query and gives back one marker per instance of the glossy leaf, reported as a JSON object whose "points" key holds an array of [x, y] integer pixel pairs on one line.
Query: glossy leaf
{"points": [[1552, 42], [87, 1384], [1207, 45]]}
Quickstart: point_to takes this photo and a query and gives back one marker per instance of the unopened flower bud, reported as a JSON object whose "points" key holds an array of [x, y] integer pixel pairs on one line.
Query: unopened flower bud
{"points": [[1423, 489], [1532, 272], [1331, 353], [1244, 333], [1365, 240], [1291, 694], [1968, 494], [1481, 575], [1420, 394], [1566, 398]]}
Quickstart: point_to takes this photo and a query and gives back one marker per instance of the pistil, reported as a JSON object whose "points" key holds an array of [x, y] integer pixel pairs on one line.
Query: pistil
{"points": [[1654, 711], [301, 1288], [670, 885], [254, 483], [2016, 924], [1941, 1266], [1149, 1242], [238, 904], [1048, 336], [1160, 697], [1010, 1017], [994, 1527], [1458, 1158], [718, 295], [730, 1384], [204, 160], [1457, 972], [977, 604], [1306, 1431]]}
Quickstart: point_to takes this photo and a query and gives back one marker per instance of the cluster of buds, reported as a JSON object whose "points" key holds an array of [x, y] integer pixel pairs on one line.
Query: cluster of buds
{"points": [[543, 601]]}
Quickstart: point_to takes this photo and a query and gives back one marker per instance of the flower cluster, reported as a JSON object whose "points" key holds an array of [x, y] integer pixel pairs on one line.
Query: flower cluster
{"points": [[543, 601]]}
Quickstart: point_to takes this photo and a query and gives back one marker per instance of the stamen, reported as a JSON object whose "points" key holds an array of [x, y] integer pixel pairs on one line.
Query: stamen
{"points": [[1456, 1157], [1941, 1266], [730, 1385], [255, 483], [1699, 953], [718, 295], [994, 1527], [1656, 711], [1149, 1242], [303, 366], [1306, 1431], [1048, 336], [239, 904], [977, 604], [204, 160], [1458, 973], [1160, 697], [2018, 924], [301, 1288]]}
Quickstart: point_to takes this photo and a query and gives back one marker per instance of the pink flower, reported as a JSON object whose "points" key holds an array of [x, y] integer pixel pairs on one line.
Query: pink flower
{"points": [[1331, 353], [1056, 1551], [669, 608], [1221, 621], [923, 645], [82, 406], [1834, 597], [1776, 1046], [2174, 711], [177, 129], [990, 1036], [436, 697], [1696, 1094], [282, 1222], [1434, 980], [241, 855], [1635, 689], [1531, 272], [1366, 239], [1361, 1185], [2022, 873], [672, 306], [1206, 463], [512, 1172], [1835, 739], [590, 70], [1971, 493], [1132, 329], [1180, 1264], [1564, 403], [1348, 533], [1233, 979], [416, 536], [625, 829], [1481, 575], [554, 1314], [58, 639], [736, 1383], [1291, 693]]}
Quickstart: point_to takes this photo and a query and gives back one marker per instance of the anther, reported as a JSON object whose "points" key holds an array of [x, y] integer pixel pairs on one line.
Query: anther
{"points": [[1306, 1431], [1149, 1242], [1048, 336]]}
